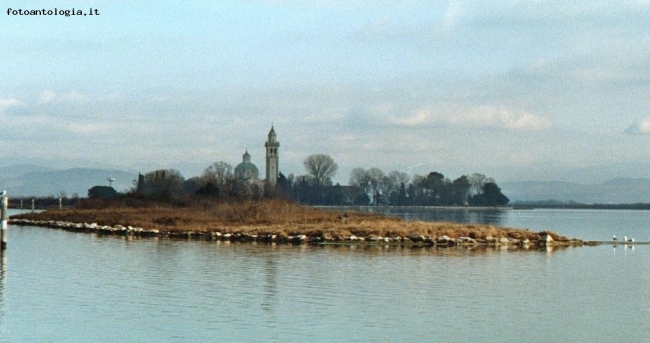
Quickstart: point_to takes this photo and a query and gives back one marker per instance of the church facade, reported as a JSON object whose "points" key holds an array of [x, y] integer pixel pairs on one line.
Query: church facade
{"points": [[246, 171]]}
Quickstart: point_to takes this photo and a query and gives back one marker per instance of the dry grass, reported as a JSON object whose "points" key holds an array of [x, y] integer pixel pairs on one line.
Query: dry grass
{"points": [[269, 216]]}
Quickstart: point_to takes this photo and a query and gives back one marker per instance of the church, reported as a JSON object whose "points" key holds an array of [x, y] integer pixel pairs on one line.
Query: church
{"points": [[247, 172]]}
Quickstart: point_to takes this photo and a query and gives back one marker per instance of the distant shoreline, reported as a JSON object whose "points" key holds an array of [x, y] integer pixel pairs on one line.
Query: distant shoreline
{"points": [[513, 207]]}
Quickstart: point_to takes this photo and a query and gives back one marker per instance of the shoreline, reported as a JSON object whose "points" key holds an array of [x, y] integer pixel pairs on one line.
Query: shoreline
{"points": [[269, 235], [277, 221]]}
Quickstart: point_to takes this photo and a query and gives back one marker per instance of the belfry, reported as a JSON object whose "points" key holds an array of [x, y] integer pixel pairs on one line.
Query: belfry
{"points": [[272, 167]]}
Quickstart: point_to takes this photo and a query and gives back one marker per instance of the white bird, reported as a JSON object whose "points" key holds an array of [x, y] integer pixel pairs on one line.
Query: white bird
{"points": [[624, 238], [614, 238], [631, 240], [3, 193]]}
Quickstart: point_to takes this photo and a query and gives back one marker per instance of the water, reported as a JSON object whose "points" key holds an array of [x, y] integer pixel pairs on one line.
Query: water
{"points": [[58, 286]]}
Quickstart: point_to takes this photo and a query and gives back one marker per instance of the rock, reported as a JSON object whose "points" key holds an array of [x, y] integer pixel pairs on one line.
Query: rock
{"points": [[444, 239], [299, 239], [504, 240], [374, 238], [416, 238], [546, 240], [465, 240]]}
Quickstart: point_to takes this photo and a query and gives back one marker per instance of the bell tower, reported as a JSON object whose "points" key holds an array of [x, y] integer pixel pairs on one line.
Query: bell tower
{"points": [[272, 166]]}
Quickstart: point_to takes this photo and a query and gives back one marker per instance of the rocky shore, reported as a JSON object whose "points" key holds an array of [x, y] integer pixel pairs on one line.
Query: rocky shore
{"points": [[268, 235]]}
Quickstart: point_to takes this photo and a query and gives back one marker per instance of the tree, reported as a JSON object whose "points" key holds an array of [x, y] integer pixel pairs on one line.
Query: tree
{"points": [[396, 187], [372, 181], [435, 183], [359, 178], [192, 185], [209, 190], [104, 192], [461, 188], [490, 196], [493, 196], [321, 167], [477, 181], [140, 185], [164, 184], [219, 174]]}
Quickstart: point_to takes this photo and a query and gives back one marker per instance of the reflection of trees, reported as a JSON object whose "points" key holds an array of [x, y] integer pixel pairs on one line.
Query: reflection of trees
{"points": [[270, 285], [3, 275], [461, 216]]}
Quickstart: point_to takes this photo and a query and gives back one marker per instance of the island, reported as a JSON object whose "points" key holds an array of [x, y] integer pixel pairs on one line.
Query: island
{"points": [[275, 221]]}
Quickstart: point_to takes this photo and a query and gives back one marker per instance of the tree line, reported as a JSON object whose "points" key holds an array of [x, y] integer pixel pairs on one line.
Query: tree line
{"points": [[365, 187], [374, 187]]}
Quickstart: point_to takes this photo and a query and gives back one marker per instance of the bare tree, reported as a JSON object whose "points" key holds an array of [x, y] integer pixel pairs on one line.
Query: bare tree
{"points": [[477, 181], [395, 180], [219, 174], [164, 183], [322, 167], [371, 181], [359, 178]]}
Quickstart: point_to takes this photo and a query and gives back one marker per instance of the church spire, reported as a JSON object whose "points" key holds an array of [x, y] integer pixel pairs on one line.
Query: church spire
{"points": [[272, 157]]}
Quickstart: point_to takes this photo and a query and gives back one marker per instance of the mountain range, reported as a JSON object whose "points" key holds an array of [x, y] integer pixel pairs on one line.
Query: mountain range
{"points": [[614, 191], [26, 180]]}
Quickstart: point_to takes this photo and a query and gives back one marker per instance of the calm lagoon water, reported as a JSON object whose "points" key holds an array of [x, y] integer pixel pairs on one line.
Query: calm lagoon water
{"points": [[57, 286]]}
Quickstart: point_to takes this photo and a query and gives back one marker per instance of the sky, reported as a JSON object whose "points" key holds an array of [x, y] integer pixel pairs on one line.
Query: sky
{"points": [[516, 90]]}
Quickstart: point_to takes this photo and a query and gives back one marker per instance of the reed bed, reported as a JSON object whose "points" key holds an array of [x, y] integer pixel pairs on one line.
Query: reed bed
{"points": [[269, 217]]}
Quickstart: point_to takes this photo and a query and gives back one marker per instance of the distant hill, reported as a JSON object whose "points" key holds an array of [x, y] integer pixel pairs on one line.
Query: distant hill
{"points": [[21, 169], [31, 180], [614, 191]]}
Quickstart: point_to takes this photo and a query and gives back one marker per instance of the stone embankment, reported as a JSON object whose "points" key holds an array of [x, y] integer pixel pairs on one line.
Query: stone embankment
{"points": [[322, 238]]}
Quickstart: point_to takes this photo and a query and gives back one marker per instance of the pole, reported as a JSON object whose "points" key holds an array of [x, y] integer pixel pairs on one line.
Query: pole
{"points": [[33, 205], [3, 220]]}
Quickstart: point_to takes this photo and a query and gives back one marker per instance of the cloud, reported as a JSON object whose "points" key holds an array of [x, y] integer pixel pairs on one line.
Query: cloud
{"points": [[5, 104], [420, 117], [476, 117], [49, 96], [453, 15], [641, 127], [46, 97], [89, 128]]}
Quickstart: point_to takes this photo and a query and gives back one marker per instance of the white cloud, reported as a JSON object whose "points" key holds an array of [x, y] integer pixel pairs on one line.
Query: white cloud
{"points": [[453, 15], [46, 97], [481, 116], [326, 116], [88, 128], [641, 127], [420, 117], [10, 102], [501, 117]]}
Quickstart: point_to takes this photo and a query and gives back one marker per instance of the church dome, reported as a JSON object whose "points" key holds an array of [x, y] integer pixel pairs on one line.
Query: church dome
{"points": [[246, 170]]}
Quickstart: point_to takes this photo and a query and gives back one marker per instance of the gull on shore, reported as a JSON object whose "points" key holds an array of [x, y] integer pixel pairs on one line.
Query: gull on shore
{"points": [[614, 238]]}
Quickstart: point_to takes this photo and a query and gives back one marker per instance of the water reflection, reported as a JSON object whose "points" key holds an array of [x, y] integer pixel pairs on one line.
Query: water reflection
{"points": [[3, 282], [270, 285], [489, 216], [411, 250]]}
